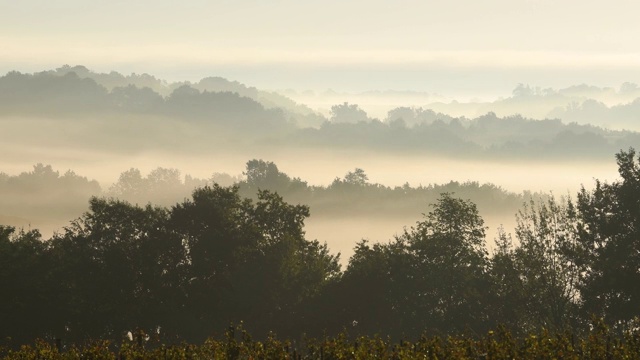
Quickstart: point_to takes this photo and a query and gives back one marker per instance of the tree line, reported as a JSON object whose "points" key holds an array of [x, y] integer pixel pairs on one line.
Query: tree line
{"points": [[30, 196], [186, 271]]}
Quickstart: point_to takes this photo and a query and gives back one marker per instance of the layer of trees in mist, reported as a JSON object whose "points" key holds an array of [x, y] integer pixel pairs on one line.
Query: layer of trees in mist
{"points": [[186, 271], [584, 104], [47, 199], [76, 108], [73, 90], [606, 107], [602, 106]]}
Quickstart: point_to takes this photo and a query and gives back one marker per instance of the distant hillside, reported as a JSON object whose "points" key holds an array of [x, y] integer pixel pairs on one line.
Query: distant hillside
{"points": [[606, 107], [612, 108], [50, 94], [270, 100], [62, 108]]}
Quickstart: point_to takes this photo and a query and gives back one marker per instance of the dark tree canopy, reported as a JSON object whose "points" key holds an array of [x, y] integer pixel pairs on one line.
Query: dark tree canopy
{"points": [[189, 270], [218, 257], [609, 237]]}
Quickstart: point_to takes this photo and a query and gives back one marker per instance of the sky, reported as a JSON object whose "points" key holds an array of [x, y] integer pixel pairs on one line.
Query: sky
{"points": [[452, 47]]}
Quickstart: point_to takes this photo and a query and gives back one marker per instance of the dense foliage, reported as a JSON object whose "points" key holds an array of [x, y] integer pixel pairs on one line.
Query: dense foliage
{"points": [[216, 258]]}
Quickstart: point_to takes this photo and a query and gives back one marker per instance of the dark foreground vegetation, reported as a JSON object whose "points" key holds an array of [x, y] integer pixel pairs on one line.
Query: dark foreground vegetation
{"points": [[185, 272], [599, 343]]}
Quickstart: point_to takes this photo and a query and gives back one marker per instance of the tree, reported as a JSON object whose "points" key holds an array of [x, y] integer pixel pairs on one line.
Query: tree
{"points": [[283, 269], [544, 261], [348, 113], [130, 185], [357, 177], [451, 264], [609, 243], [119, 266], [507, 293], [382, 272], [266, 176], [432, 277], [25, 286], [211, 228], [162, 186], [247, 261]]}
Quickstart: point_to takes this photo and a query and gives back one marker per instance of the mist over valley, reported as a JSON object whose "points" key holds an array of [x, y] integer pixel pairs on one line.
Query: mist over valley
{"points": [[99, 125]]}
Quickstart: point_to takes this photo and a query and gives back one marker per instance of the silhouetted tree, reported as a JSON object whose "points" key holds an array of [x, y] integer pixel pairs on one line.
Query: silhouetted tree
{"points": [[119, 266], [27, 290], [432, 277], [451, 266], [507, 297], [544, 261], [264, 175], [247, 261], [348, 113], [609, 233], [356, 177]]}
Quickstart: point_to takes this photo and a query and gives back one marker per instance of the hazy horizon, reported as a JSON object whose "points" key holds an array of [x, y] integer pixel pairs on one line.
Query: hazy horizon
{"points": [[459, 48]]}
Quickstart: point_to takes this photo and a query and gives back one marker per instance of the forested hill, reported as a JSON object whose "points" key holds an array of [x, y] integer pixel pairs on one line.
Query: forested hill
{"points": [[602, 106], [114, 80], [77, 89], [63, 109], [612, 108]]}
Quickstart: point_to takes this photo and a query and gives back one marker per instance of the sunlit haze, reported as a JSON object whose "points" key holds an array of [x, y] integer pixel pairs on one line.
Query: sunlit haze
{"points": [[456, 48], [455, 57]]}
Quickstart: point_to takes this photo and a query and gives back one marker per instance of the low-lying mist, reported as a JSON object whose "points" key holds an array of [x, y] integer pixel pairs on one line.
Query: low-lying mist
{"points": [[397, 190], [320, 167], [101, 126], [612, 108]]}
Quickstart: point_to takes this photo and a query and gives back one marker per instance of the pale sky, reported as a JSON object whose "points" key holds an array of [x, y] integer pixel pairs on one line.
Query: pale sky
{"points": [[446, 46]]}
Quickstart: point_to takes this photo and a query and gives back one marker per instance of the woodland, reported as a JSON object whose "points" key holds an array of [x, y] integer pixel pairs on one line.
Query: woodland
{"points": [[219, 258]]}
